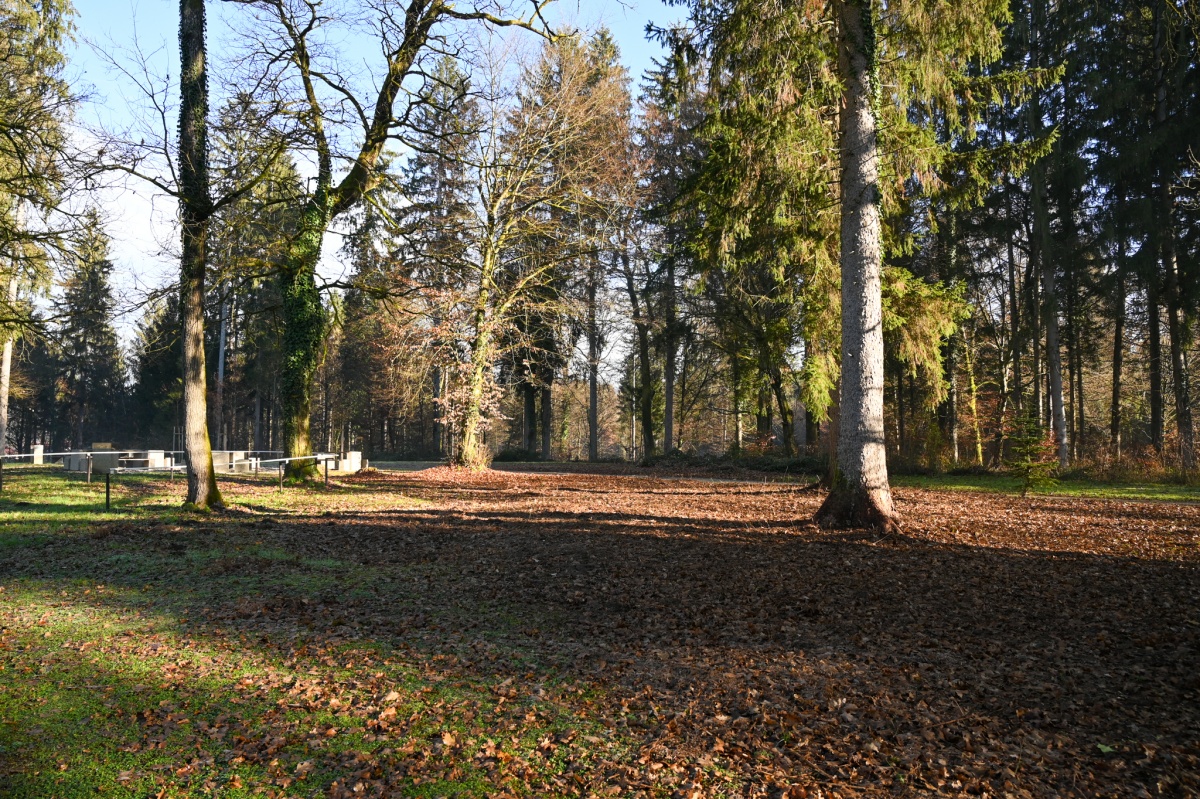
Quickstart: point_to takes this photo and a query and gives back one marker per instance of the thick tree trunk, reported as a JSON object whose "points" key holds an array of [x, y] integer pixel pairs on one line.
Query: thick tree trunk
{"points": [[860, 495], [195, 213]]}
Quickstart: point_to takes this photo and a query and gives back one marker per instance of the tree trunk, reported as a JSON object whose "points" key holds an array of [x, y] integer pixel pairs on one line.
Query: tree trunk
{"points": [[529, 410], [303, 334], [439, 432], [785, 411], [735, 373], [645, 394], [1154, 359], [669, 351], [472, 453], [195, 213], [860, 495], [1040, 244], [6, 363], [1114, 425], [547, 421], [1179, 375], [593, 365]]}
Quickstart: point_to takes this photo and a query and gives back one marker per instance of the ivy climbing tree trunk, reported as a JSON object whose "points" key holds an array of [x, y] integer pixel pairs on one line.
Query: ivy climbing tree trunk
{"points": [[303, 332], [860, 495], [195, 209]]}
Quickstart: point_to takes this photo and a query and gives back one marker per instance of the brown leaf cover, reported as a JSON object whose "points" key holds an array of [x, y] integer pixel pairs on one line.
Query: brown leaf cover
{"points": [[702, 639]]}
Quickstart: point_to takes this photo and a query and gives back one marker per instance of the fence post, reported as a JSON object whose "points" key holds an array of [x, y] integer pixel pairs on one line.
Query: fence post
{"points": [[281, 477], [89, 468], [326, 475], [107, 491], [1, 475]]}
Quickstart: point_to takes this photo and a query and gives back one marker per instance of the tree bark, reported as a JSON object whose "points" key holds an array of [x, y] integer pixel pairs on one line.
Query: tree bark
{"points": [[1154, 361], [529, 411], [195, 214], [1114, 425], [645, 394], [547, 421], [593, 365], [669, 351], [1179, 374], [860, 495], [785, 411], [6, 363]]}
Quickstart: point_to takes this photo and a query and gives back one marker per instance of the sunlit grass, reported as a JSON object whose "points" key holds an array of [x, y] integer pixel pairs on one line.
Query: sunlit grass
{"points": [[123, 674], [1083, 489]]}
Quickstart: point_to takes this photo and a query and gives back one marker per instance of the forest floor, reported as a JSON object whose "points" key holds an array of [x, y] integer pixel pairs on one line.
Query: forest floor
{"points": [[429, 634]]}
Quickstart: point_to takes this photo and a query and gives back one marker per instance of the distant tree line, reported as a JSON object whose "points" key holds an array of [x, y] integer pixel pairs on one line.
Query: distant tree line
{"points": [[986, 211]]}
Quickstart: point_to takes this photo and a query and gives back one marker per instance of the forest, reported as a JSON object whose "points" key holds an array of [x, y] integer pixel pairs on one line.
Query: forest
{"points": [[808, 414]]}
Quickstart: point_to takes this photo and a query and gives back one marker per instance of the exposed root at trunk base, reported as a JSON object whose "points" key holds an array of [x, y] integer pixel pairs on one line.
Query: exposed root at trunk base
{"points": [[847, 508]]}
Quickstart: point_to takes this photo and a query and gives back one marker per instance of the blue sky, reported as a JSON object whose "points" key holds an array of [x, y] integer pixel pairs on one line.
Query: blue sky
{"points": [[141, 223]]}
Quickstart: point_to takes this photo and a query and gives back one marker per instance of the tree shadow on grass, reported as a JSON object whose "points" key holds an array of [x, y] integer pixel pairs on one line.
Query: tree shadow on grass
{"points": [[786, 656]]}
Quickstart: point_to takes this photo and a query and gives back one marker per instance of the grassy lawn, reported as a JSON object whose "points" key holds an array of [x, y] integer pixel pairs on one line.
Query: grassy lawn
{"points": [[1083, 489], [138, 657]]}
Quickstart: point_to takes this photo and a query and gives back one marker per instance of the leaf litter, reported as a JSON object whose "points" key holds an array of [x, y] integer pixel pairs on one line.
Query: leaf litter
{"points": [[575, 635]]}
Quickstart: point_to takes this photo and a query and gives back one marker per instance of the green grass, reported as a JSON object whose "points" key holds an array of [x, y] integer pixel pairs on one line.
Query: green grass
{"points": [[128, 669], [1083, 489]]}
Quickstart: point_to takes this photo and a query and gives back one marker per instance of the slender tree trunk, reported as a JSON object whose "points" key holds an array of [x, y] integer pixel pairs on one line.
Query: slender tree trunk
{"points": [[219, 398], [195, 213], [1081, 411], [645, 397], [860, 495], [1179, 375], [1154, 359], [529, 395], [6, 363], [547, 421], [785, 411], [439, 433], [669, 352], [593, 323], [258, 442], [735, 374], [1114, 425], [973, 397], [1040, 243], [1015, 338]]}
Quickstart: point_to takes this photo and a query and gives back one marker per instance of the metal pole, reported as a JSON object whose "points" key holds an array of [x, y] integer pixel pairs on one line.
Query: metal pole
{"points": [[326, 475], [1, 475], [107, 491], [89, 468], [281, 477]]}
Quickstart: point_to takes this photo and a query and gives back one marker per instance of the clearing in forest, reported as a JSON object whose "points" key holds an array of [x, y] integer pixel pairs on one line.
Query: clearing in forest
{"points": [[434, 634]]}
